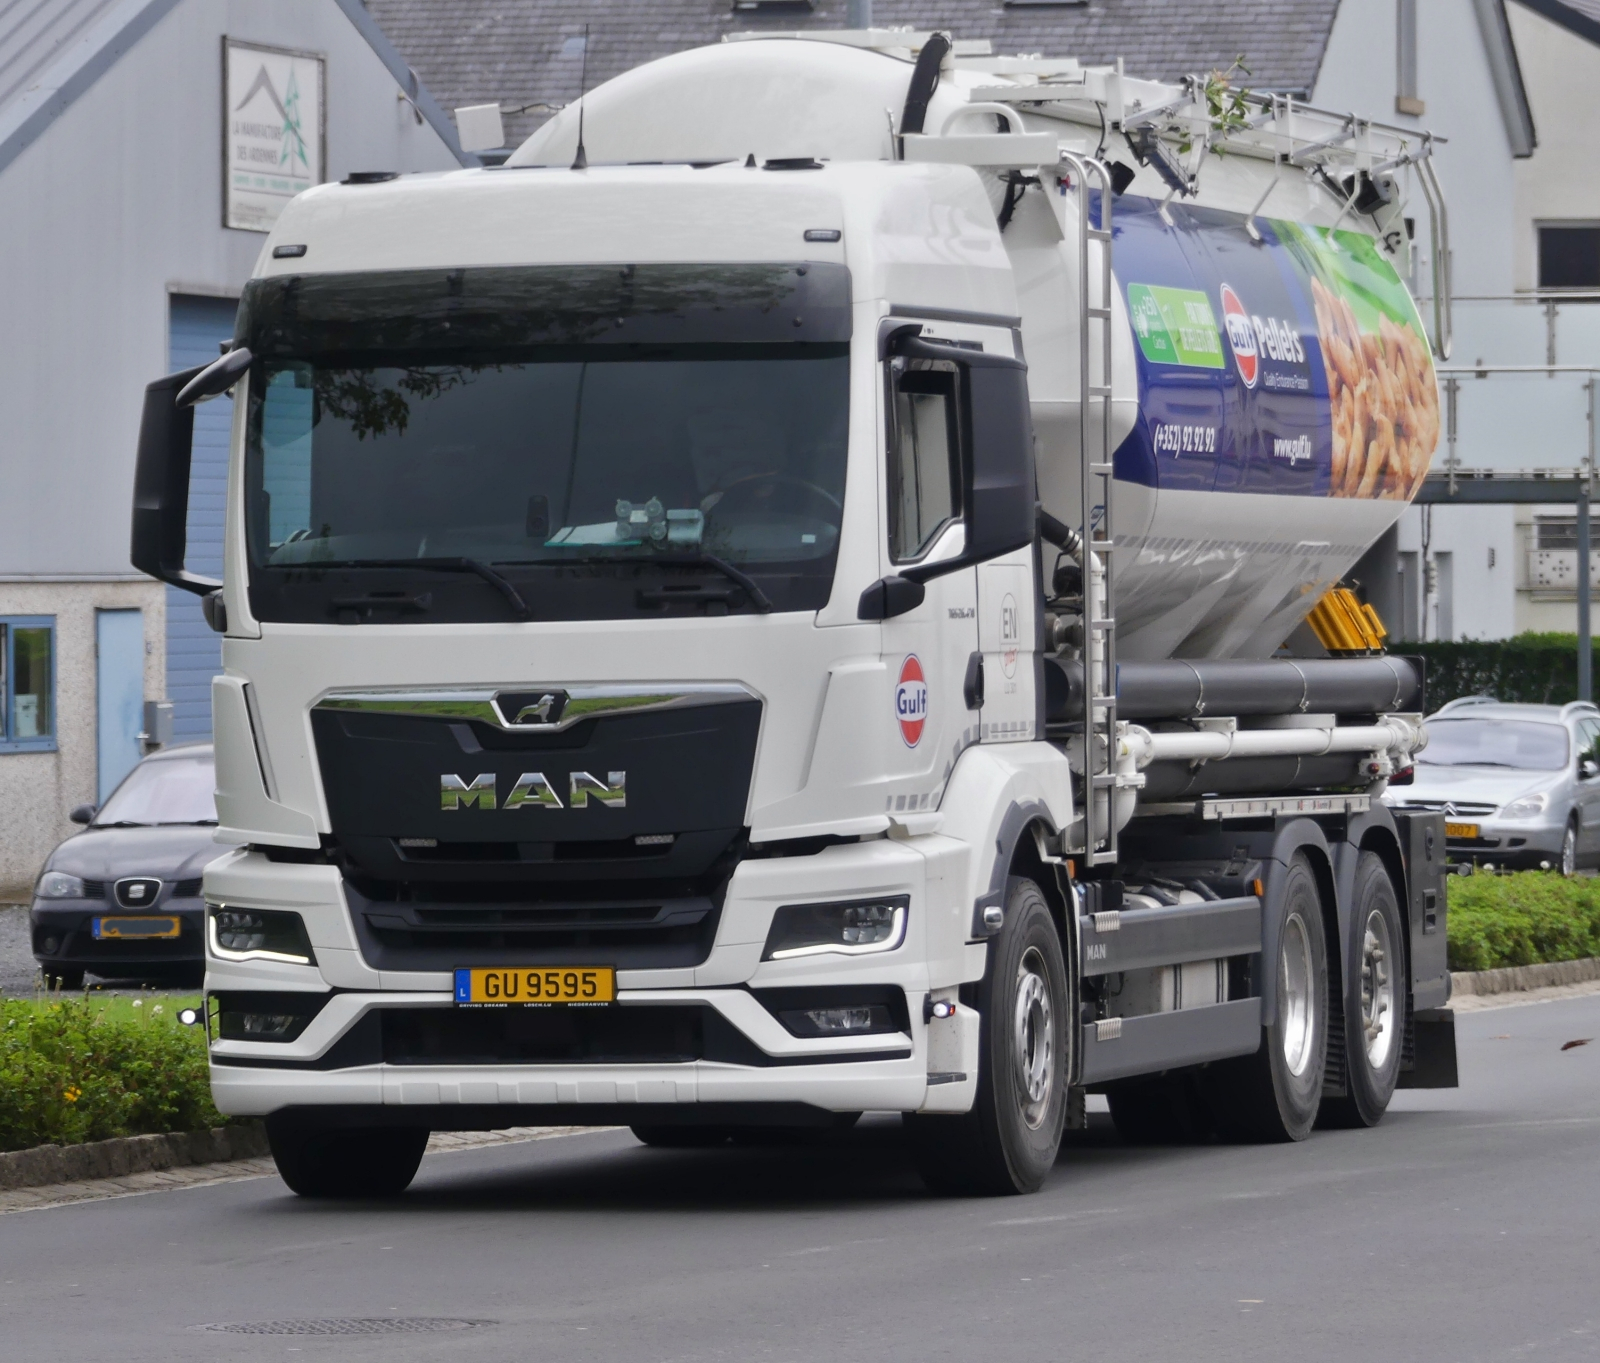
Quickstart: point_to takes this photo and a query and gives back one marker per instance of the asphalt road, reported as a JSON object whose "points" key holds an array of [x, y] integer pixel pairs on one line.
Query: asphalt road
{"points": [[1462, 1228]]}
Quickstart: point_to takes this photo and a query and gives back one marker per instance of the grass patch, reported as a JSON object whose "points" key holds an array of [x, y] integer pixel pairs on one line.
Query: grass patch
{"points": [[85, 1068], [1522, 918]]}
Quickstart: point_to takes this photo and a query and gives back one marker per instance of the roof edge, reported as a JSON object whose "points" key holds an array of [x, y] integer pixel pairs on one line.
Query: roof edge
{"points": [[1570, 19], [1506, 72], [406, 78], [78, 68]]}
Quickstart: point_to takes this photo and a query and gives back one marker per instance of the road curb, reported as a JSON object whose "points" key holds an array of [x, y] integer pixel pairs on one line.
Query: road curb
{"points": [[1516, 978], [123, 1155]]}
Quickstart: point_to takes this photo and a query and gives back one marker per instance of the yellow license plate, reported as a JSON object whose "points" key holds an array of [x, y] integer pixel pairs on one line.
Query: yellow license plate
{"points": [[158, 926], [546, 984], [1461, 830]]}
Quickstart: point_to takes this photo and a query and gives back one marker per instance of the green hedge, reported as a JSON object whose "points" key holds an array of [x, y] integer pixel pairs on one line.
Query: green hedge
{"points": [[1522, 918], [72, 1070], [1538, 668]]}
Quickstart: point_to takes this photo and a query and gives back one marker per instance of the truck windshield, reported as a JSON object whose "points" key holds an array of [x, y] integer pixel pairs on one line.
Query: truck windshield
{"points": [[590, 437]]}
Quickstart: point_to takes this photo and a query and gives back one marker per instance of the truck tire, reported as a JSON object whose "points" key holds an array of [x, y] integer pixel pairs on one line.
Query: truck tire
{"points": [[1169, 1110], [1274, 1094], [346, 1161], [1374, 999], [1008, 1142]]}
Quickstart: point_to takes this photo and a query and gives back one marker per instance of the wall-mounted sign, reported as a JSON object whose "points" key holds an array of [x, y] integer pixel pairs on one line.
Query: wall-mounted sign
{"points": [[273, 130]]}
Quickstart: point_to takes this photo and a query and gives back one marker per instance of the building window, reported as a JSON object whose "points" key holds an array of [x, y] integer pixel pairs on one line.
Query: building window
{"points": [[1569, 255], [1406, 99], [28, 692]]}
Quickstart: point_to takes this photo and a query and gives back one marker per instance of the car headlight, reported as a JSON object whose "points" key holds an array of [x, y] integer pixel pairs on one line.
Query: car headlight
{"points": [[59, 885], [258, 935], [1527, 807], [861, 927]]}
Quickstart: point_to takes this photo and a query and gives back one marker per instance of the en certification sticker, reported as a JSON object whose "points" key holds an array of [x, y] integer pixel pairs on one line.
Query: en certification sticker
{"points": [[911, 701]]}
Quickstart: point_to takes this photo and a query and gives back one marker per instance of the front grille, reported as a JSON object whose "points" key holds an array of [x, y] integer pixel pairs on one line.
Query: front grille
{"points": [[1458, 808], [676, 929], [559, 1034], [94, 889], [187, 889]]}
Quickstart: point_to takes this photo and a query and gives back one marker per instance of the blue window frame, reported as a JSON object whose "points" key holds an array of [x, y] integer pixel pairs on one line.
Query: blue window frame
{"points": [[27, 683]]}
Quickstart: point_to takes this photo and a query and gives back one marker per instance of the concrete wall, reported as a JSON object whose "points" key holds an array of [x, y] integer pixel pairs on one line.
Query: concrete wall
{"points": [[116, 206], [38, 788]]}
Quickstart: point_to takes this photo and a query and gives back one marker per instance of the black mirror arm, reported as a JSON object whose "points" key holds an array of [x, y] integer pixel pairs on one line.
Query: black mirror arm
{"points": [[909, 343], [216, 378]]}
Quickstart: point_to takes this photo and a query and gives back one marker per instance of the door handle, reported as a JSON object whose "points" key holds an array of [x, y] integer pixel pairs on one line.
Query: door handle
{"points": [[972, 687]]}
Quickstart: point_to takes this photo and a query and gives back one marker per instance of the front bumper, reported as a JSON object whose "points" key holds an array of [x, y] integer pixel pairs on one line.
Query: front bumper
{"points": [[1509, 840], [63, 938], [348, 1057]]}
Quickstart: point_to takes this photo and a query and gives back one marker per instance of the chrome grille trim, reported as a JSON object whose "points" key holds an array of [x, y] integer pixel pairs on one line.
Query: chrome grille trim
{"points": [[584, 701]]}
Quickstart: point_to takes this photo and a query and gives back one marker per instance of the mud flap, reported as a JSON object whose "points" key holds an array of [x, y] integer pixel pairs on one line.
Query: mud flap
{"points": [[1429, 1060]]}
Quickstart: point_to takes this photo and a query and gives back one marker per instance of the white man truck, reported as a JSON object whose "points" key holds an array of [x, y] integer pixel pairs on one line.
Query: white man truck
{"points": [[787, 598]]}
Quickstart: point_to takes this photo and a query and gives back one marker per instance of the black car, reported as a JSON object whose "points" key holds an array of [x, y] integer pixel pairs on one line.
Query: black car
{"points": [[121, 899]]}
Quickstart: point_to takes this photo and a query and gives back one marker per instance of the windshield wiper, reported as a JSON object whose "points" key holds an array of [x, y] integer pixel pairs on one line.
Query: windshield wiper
{"points": [[445, 565]]}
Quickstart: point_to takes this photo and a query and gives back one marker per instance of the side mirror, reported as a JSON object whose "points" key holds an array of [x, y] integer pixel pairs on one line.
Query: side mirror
{"points": [[1588, 769], [889, 597], [161, 483], [998, 483], [83, 813]]}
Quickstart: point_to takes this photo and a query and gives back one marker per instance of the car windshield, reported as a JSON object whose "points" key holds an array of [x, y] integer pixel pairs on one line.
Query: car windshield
{"points": [[1526, 745], [532, 422], [168, 790]]}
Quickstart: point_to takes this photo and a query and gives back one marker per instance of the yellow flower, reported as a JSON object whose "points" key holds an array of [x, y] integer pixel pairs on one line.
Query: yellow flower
{"points": [[72, 1093]]}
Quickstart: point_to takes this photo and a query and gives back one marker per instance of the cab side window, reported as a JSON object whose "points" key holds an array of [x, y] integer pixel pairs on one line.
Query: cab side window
{"points": [[924, 455]]}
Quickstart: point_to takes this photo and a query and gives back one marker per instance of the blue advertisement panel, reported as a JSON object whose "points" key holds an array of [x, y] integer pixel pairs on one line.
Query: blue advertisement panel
{"points": [[1295, 365]]}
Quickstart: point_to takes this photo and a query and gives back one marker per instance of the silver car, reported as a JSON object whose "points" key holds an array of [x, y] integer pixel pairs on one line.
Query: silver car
{"points": [[1519, 785]]}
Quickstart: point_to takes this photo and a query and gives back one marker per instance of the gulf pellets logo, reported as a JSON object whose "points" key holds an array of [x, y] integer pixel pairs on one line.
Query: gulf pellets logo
{"points": [[1241, 337], [911, 700]]}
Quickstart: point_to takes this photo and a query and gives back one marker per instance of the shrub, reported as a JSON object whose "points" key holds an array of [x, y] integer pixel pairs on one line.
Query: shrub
{"points": [[1521, 918], [74, 1070], [1541, 669]]}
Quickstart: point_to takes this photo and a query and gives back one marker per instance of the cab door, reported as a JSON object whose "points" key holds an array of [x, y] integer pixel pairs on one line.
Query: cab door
{"points": [[930, 651]]}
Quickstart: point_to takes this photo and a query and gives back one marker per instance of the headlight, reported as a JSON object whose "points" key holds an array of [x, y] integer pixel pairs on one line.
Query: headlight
{"points": [[258, 935], [59, 885], [859, 928], [1527, 807]]}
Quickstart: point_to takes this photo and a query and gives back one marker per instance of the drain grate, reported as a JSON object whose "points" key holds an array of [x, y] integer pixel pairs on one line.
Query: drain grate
{"points": [[349, 1325]]}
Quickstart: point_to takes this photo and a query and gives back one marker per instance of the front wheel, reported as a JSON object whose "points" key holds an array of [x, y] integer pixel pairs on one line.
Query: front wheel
{"points": [[1569, 849], [346, 1161], [1375, 999], [1008, 1142]]}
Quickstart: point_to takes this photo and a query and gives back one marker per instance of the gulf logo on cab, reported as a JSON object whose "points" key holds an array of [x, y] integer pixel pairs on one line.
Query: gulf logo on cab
{"points": [[1241, 336], [911, 701]]}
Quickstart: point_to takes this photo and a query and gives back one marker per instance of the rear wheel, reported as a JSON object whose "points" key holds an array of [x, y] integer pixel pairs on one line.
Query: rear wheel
{"points": [[1375, 999], [346, 1161], [1274, 1094], [1008, 1142]]}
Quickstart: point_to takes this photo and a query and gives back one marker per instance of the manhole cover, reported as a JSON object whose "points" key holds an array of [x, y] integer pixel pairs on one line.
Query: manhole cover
{"points": [[349, 1325]]}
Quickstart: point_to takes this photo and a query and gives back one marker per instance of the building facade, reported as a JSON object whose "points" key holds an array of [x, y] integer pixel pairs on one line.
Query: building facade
{"points": [[144, 145]]}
